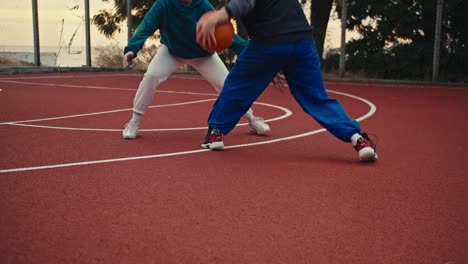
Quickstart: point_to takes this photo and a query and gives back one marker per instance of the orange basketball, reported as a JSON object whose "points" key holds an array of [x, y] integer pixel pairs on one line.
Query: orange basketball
{"points": [[224, 34]]}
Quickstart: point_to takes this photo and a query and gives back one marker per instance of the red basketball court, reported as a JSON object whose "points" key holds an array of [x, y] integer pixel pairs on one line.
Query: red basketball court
{"points": [[73, 191]]}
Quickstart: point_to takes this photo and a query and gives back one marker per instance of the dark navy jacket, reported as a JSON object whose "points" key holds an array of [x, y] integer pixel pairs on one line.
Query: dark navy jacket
{"points": [[271, 21]]}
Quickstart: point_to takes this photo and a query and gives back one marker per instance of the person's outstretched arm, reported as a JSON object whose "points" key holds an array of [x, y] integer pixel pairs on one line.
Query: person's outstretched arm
{"points": [[148, 26]]}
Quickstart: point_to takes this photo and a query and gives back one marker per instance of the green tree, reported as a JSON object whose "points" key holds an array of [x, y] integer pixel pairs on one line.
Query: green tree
{"points": [[111, 22], [319, 17], [397, 38]]}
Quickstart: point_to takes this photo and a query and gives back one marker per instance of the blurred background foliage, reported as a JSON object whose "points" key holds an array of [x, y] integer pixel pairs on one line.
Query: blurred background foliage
{"points": [[395, 38]]}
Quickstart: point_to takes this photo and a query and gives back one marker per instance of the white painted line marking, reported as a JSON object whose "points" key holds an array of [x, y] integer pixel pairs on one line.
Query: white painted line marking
{"points": [[98, 87], [178, 76], [100, 113], [286, 114], [372, 110]]}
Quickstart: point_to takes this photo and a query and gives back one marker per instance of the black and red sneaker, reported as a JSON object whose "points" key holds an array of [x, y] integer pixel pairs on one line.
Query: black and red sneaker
{"points": [[213, 140], [366, 148]]}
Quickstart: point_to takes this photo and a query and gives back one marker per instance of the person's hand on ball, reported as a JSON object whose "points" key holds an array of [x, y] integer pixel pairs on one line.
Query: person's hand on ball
{"points": [[205, 30]]}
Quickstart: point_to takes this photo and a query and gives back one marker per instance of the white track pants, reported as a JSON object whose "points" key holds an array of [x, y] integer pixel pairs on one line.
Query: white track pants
{"points": [[164, 64]]}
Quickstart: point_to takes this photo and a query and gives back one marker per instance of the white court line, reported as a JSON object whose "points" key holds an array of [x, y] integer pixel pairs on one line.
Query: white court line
{"points": [[198, 77], [398, 85], [64, 76], [98, 87], [372, 110], [68, 85], [100, 113], [286, 114], [177, 76]]}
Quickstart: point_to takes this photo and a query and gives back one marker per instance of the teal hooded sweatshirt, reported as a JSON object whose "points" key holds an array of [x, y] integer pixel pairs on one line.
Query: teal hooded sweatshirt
{"points": [[177, 26]]}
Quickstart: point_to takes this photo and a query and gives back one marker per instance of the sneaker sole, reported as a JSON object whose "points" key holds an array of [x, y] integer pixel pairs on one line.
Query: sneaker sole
{"points": [[260, 133], [367, 154], [213, 146], [129, 136]]}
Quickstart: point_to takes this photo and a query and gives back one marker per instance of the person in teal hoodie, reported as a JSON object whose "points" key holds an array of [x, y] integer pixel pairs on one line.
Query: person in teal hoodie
{"points": [[176, 21]]}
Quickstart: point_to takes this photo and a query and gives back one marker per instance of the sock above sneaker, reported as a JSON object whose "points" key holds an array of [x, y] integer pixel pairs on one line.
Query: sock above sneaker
{"points": [[136, 118], [355, 138]]}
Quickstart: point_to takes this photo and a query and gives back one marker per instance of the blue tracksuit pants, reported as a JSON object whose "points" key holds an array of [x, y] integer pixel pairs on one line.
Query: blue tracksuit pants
{"points": [[256, 67]]}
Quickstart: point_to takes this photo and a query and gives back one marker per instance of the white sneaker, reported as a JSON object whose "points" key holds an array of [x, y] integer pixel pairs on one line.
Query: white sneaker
{"points": [[258, 126], [213, 140], [366, 148], [131, 130]]}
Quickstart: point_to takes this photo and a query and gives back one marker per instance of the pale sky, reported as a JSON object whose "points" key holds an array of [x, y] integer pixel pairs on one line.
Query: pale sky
{"points": [[16, 23]]}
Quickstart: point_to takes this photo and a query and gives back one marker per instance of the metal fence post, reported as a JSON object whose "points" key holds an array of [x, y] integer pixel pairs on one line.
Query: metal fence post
{"points": [[129, 19], [37, 50], [88, 34], [438, 26], [343, 39]]}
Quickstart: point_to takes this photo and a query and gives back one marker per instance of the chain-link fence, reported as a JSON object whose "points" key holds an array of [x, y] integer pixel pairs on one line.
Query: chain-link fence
{"points": [[16, 28], [53, 33], [398, 40]]}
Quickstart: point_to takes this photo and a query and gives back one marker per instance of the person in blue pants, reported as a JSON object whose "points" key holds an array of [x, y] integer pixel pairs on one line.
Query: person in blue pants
{"points": [[280, 40]]}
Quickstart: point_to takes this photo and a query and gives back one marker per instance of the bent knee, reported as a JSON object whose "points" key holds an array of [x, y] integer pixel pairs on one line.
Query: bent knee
{"points": [[155, 78]]}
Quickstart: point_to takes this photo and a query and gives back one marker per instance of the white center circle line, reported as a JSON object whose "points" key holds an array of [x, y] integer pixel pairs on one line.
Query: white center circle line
{"points": [[286, 114], [372, 110]]}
